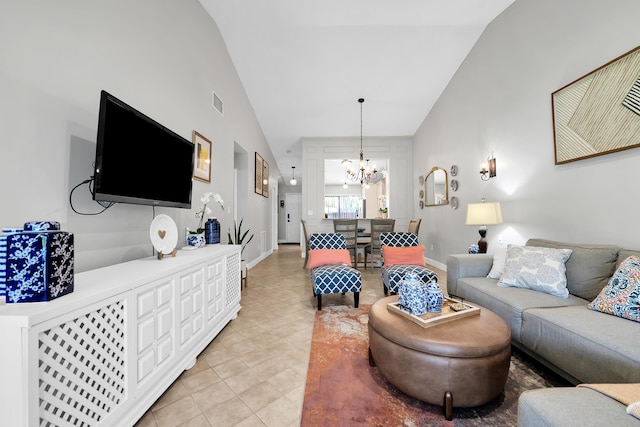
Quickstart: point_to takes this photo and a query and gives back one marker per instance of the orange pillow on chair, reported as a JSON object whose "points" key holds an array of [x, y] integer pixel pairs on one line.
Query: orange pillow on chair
{"points": [[405, 255], [318, 257]]}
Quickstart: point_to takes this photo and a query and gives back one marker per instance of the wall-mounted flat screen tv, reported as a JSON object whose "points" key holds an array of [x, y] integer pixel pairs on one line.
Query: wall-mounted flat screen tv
{"points": [[138, 160]]}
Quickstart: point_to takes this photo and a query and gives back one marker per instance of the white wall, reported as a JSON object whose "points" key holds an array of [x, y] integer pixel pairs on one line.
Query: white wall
{"points": [[163, 58], [500, 102]]}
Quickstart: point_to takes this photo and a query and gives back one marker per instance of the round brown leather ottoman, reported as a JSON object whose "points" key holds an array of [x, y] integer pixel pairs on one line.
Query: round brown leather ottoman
{"points": [[460, 363]]}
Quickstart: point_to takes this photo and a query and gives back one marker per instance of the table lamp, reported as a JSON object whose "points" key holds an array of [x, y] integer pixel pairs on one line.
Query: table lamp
{"points": [[483, 214]]}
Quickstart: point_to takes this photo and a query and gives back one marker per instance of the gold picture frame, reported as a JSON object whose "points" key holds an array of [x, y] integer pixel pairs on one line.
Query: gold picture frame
{"points": [[201, 157], [600, 112], [265, 179], [258, 174]]}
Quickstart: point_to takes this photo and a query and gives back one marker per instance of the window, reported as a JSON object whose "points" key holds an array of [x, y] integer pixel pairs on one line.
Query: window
{"points": [[343, 206]]}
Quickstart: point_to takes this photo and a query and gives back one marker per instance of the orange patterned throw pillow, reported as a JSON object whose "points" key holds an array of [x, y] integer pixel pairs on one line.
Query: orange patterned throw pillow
{"points": [[318, 257], [406, 255]]}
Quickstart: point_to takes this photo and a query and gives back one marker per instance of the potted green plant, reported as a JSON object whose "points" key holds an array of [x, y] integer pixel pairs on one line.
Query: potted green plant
{"points": [[242, 239]]}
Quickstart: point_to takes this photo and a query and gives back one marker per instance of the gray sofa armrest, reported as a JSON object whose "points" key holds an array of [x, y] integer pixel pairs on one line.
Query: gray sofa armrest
{"points": [[466, 265]]}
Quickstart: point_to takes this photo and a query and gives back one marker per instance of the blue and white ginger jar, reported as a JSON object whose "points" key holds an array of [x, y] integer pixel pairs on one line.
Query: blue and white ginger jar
{"points": [[435, 298], [412, 295]]}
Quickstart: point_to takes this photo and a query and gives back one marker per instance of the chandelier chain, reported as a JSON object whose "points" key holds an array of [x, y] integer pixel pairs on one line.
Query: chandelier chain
{"points": [[363, 173]]}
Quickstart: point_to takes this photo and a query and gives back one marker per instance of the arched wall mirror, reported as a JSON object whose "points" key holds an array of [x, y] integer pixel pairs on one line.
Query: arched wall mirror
{"points": [[436, 187]]}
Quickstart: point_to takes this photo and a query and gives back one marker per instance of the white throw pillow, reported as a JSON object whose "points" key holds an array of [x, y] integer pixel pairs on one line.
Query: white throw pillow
{"points": [[536, 268], [499, 258]]}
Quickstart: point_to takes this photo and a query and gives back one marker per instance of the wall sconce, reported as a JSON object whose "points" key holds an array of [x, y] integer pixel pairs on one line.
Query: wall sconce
{"points": [[488, 169]]}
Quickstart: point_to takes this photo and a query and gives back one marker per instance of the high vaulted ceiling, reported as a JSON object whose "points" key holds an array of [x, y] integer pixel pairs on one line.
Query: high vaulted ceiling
{"points": [[305, 63]]}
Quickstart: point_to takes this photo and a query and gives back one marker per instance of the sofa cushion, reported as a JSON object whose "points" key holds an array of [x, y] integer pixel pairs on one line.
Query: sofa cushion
{"points": [[509, 303], [588, 345], [621, 297], [624, 254], [569, 406], [536, 268], [589, 267]]}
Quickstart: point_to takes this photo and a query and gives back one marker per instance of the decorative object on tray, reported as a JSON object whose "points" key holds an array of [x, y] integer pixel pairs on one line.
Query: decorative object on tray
{"points": [[412, 295], [448, 314], [435, 298], [37, 263], [474, 249], [164, 235], [454, 170]]}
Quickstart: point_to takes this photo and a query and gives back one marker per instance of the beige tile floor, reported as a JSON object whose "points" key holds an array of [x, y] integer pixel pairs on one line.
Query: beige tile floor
{"points": [[254, 372]]}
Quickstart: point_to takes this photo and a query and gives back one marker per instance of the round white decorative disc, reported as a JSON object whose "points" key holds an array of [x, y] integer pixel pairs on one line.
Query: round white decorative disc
{"points": [[164, 234]]}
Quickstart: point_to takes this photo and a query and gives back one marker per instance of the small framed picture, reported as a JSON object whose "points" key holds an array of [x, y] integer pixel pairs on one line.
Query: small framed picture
{"points": [[258, 180], [202, 158]]}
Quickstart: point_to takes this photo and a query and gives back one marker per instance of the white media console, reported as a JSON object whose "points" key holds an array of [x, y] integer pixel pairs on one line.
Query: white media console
{"points": [[102, 355]]}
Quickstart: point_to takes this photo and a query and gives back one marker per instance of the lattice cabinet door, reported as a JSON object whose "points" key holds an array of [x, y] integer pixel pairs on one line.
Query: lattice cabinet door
{"points": [[81, 366], [232, 272], [191, 304], [215, 288], [155, 313]]}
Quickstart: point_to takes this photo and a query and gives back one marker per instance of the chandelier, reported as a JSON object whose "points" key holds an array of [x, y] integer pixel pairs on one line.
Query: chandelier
{"points": [[365, 172]]}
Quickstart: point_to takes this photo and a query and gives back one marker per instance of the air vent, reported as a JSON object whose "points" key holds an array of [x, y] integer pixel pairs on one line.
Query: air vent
{"points": [[632, 100], [217, 103]]}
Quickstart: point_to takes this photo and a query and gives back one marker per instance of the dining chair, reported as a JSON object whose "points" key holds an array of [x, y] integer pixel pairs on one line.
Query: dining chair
{"points": [[414, 225], [349, 229], [306, 242], [392, 275], [333, 278], [378, 226]]}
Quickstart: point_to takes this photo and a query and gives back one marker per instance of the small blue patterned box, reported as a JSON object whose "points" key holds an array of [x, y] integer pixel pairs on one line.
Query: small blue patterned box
{"points": [[39, 266]]}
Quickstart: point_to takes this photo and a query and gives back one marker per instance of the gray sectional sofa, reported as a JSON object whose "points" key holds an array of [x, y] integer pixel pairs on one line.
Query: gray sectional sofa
{"points": [[582, 345]]}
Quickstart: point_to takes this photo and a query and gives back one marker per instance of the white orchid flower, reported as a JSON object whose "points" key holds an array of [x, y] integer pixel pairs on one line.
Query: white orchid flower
{"points": [[206, 198], [218, 199]]}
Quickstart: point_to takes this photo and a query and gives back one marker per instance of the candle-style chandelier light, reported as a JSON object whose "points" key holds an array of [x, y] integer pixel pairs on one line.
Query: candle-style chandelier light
{"points": [[365, 172]]}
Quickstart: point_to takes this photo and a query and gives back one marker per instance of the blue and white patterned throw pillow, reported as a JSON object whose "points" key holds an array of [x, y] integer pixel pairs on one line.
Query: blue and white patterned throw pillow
{"points": [[621, 297], [536, 268]]}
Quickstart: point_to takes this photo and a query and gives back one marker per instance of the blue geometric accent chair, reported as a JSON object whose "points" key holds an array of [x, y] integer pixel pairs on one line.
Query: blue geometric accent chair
{"points": [[394, 274], [334, 278]]}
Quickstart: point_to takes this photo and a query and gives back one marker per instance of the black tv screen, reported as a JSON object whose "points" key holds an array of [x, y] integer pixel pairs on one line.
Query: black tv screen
{"points": [[138, 160]]}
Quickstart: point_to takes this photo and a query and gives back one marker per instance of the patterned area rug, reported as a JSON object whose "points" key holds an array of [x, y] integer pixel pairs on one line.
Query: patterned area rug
{"points": [[342, 390]]}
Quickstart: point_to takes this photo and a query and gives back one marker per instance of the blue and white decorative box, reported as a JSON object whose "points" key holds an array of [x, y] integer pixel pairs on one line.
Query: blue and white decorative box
{"points": [[39, 266]]}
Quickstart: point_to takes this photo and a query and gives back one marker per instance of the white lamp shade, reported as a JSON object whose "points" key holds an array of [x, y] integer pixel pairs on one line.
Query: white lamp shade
{"points": [[293, 181], [484, 214]]}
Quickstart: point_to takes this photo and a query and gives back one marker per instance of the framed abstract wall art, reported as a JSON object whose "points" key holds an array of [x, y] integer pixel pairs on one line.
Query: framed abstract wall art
{"points": [[600, 112]]}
